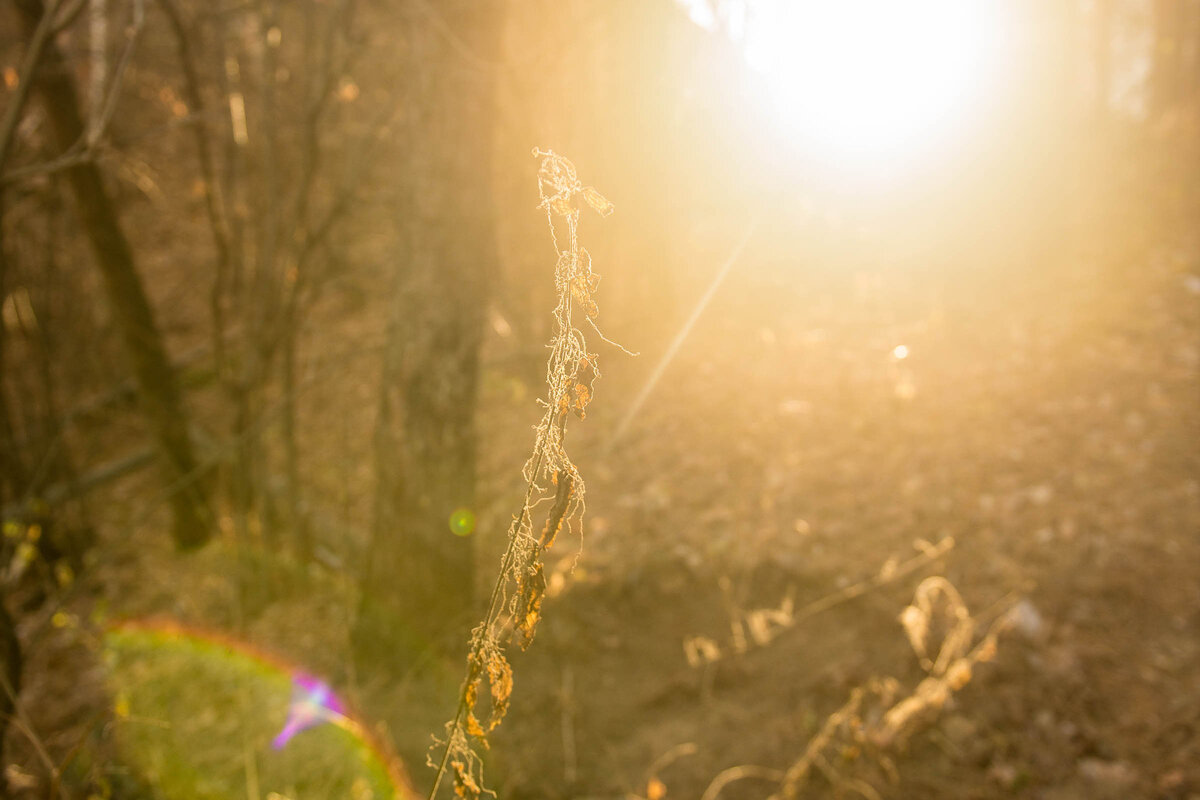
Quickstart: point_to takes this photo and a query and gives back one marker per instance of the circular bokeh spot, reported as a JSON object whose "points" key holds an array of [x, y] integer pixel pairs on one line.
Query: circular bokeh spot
{"points": [[462, 522]]}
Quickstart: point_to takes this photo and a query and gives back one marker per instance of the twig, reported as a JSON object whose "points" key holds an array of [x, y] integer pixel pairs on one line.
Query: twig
{"points": [[21, 719], [671, 756], [98, 125], [766, 625], [74, 156], [67, 17], [33, 54], [728, 776], [854, 784], [797, 773], [86, 147], [63, 492], [879, 580], [213, 207]]}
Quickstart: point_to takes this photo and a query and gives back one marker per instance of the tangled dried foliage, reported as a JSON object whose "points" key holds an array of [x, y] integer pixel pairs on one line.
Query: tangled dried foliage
{"points": [[950, 670], [767, 624], [516, 601], [878, 717]]}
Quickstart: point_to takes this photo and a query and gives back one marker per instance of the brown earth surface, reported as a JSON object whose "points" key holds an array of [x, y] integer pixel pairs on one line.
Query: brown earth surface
{"points": [[1049, 427], [1047, 421]]}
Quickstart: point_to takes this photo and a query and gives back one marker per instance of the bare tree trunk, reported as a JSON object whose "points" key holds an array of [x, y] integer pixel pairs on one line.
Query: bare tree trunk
{"points": [[158, 391], [266, 284], [12, 470], [12, 483], [419, 580]]}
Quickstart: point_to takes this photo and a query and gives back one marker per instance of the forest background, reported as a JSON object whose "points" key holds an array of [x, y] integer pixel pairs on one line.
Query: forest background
{"points": [[276, 293]]}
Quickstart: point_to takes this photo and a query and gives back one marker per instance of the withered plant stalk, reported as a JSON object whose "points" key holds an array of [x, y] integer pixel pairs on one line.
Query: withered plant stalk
{"points": [[515, 605]]}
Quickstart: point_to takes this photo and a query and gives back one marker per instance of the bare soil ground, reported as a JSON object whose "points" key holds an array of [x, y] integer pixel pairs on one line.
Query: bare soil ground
{"points": [[1048, 421], [1049, 424]]}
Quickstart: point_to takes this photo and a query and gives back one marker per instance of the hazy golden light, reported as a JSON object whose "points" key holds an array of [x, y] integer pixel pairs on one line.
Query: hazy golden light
{"points": [[870, 81], [901, 352]]}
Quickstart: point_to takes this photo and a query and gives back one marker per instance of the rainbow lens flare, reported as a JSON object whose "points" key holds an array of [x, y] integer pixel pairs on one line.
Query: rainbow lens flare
{"points": [[198, 714], [313, 703]]}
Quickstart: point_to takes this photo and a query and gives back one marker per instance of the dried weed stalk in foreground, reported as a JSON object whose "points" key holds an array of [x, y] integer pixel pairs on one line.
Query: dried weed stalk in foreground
{"points": [[515, 605], [879, 717]]}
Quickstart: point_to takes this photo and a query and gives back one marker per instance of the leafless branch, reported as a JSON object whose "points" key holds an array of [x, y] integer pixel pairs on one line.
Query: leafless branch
{"points": [[929, 554], [86, 147], [218, 222], [99, 124], [33, 54]]}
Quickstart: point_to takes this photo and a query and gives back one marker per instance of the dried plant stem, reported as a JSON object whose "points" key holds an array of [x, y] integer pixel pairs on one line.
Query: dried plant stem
{"points": [[883, 578], [728, 776], [766, 625], [797, 773], [950, 670], [570, 372], [853, 784], [493, 612]]}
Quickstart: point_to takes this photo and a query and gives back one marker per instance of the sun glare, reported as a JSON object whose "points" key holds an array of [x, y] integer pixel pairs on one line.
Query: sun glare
{"points": [[870, 81]]}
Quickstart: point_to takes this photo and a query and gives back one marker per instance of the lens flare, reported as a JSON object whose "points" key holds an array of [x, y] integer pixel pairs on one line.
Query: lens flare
{"points": [[870, 78], [462, 522], [170, 651], [869, 85], [313, 703]]}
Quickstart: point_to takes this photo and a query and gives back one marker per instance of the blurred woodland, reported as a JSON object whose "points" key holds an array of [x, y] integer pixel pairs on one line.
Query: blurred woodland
{"points": [[900, 496]]}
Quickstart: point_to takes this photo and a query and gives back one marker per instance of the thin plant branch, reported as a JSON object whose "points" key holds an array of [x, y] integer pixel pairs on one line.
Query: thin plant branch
{"points": [[33, 55], [88, 145], [728, 776], [570, 372]]}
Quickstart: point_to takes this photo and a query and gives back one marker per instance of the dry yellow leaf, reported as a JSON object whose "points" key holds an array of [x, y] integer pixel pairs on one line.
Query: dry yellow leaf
{"points": [[561, 205], [464, 783], [600, 203]]}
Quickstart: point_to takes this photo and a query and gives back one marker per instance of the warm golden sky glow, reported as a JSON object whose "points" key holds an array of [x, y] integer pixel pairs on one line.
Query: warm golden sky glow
{"points": [[865, 83]]}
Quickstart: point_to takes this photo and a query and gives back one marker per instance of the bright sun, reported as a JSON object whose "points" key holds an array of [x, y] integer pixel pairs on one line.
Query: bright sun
{"points": [[870, 81]]}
